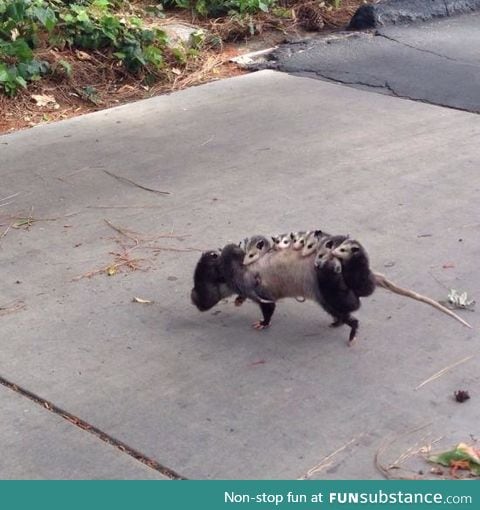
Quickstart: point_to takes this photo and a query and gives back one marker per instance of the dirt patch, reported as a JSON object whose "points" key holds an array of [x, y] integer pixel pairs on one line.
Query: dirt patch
{"points": [[96, 81]]}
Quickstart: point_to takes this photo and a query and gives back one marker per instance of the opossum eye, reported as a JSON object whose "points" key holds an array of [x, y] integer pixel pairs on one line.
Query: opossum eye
{"points": [[251, 255], [302, 242], [309, 245]]}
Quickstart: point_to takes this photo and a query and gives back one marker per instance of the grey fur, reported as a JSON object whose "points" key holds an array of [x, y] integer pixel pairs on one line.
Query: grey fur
{"points": [[255, 247]]}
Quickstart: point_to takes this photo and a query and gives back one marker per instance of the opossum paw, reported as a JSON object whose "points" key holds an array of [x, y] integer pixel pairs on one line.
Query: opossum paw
{"points": [[336, 323], [239, 300], [260, 325], [352, 341]]}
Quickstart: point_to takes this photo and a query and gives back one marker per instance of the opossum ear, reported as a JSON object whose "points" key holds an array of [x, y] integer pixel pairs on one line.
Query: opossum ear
{"points": [[274, 239], [355, 249], [318, 233], [292, 237], [260, 244]]}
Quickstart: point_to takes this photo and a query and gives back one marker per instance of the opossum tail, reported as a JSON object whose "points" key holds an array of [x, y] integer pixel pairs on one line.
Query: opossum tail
{"points": [[382, 281]]}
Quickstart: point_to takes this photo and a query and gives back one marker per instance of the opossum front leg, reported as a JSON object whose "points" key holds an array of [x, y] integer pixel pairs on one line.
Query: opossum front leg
{"points": [[267, 312], [239, 300]]}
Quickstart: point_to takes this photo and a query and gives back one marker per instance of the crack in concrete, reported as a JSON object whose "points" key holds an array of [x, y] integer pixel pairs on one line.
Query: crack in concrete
{"points": [[85, 426]]}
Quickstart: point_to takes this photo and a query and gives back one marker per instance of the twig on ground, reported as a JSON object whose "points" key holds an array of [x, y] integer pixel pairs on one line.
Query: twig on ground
{"points": [[124, 206], [9, 197], [128, 181], [443, 371], [385, 470], [161, 248], [122, 231], [121, 260], [5, 232], [326, 461], [13, 307]]}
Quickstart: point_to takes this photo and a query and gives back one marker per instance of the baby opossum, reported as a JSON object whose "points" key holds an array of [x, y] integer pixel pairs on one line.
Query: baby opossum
{"points": [[247, 284], [355, 267], [298, 239], [238, 277], [281, 241], [312, 242], [255, 247], [338, 299]]}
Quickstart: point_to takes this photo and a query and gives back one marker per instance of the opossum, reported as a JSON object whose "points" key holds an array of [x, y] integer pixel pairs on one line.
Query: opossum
{"points": [[312, 242], [209, 284], [339, 300], [355, 267], [281, 274], [298, 239], [255, 247], [247, 284], [281, 241]]}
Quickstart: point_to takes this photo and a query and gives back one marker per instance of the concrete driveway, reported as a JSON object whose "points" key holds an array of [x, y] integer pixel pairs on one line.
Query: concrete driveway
{"points": [[204, 395]]}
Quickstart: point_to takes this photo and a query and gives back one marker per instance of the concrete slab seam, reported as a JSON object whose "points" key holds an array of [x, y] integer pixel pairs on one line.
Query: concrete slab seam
{"points": [[87, 427]]}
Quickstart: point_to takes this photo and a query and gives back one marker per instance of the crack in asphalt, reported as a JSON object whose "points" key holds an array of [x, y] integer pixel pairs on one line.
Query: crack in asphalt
{"points": [[385, 86], [98, 433], [389, 38], [446, 7]]}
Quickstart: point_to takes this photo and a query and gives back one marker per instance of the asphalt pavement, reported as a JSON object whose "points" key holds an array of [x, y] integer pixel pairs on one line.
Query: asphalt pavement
{"points": [[204, 394], [436, 62]]}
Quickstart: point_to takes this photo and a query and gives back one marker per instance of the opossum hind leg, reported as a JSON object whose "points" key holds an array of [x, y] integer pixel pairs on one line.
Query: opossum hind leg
{"points": [[353, 323], [340, 320], [267, 312]]}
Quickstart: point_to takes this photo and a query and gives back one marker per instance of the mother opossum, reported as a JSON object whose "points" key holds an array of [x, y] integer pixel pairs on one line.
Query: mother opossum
{"points": [[281, 274]]}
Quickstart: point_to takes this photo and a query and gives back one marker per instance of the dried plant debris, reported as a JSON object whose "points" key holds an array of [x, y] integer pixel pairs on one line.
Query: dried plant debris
{"points": [[461, 396], [141, 301], [460, 301], [462, 457], [12, 307]]}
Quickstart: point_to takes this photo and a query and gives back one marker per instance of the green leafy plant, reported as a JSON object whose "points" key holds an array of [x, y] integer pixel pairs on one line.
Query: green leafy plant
{"points": [[214, 8], [85, 24]]}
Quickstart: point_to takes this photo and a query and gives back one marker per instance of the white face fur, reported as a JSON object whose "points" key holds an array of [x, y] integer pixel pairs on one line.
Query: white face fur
{"points": [[312, 242], [281, 241], [345, 250], [298, 239], [324, 258], [255, 250]]}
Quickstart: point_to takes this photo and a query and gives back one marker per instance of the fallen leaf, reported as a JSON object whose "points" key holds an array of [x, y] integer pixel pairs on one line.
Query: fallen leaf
{"points": [[44, 100], [81, 55], [142, 301], [112, 270], [461, 455]]}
